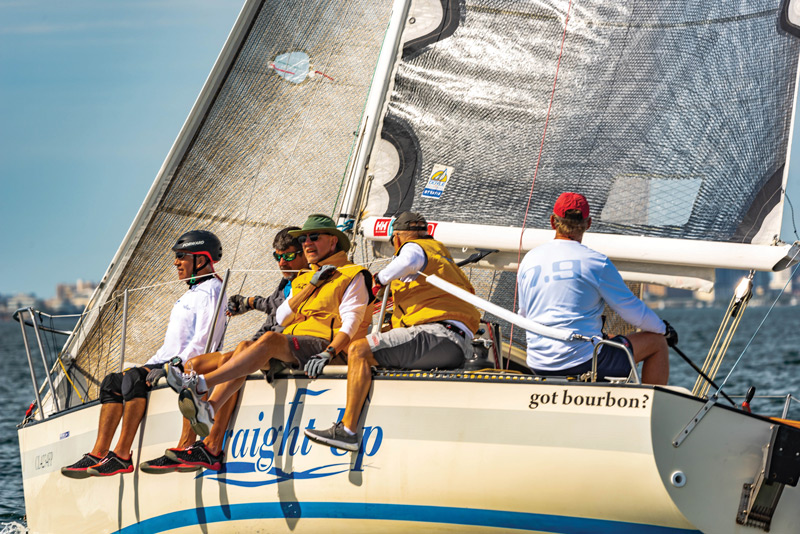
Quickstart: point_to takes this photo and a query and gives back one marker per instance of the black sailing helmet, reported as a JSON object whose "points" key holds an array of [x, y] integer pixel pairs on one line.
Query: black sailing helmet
{"points": [[199, 242]]}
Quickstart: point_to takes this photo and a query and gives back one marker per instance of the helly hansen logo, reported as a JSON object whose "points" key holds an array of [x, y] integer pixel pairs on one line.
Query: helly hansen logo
{"points": [[382, 227]]}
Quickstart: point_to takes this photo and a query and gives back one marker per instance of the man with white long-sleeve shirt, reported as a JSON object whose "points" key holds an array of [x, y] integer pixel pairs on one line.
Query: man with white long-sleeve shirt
{"points": [[326, 310], [430, 328], [565, 284], [123, 395]]}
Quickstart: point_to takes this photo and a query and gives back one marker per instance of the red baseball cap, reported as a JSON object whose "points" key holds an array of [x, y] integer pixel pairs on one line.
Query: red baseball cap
{"points": [[571, 201]]}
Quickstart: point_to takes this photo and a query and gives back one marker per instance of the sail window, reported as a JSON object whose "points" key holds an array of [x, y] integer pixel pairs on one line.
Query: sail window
{"points": [[651, 200], [292, 66]]}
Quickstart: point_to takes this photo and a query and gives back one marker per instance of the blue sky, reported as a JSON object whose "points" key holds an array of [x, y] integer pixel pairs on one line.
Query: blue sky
{"points": [[92, 96]]}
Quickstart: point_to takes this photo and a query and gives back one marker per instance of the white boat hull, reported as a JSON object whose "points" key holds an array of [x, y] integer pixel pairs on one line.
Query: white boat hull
{"points": [[441, 455]]}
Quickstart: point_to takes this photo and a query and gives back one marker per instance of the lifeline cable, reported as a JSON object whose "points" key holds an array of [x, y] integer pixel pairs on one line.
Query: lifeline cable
{"points": [[535, 174]]}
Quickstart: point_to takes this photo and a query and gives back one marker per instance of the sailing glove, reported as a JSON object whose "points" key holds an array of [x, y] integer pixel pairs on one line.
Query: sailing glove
{"points": [[314, 366], [671, 334], [238, 304], [155, 375], [323, 275]]}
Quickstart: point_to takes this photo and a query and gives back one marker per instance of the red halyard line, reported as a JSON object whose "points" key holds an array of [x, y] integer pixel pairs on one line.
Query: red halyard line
{"points": [[535, 174]]}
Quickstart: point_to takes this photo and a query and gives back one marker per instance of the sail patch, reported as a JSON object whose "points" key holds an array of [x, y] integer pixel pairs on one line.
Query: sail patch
{"points": [[295, 67], [437, 181], [651, 200]]}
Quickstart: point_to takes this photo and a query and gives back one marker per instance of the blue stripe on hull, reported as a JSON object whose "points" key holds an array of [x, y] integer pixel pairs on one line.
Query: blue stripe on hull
{"points": [[396, 512]]}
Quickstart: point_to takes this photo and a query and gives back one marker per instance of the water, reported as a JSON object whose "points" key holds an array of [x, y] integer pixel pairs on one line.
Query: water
{"points": [[771, 364]]}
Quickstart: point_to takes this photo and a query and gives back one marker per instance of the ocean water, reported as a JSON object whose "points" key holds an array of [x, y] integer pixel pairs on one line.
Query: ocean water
{"points": [[771, 364]]}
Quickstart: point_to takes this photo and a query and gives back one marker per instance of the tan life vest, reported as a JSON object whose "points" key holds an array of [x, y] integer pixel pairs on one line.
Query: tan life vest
{"points": [[318, 315], [419, 302]]}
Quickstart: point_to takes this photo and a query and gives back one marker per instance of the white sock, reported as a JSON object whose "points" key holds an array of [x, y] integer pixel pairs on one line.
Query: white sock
{"points": [[349, 432]]}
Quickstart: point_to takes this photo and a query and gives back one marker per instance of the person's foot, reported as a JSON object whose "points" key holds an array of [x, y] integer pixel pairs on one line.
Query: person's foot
{"points": [[111, 465], [196, 455], [78, 469], [335, 436], [163, 464], [174, 377], [199, 412]]}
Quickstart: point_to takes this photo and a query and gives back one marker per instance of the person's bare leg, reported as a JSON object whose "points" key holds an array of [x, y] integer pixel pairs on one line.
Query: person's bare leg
{"points": [[256, 356], [110, 415], [359, 379], [652, 350], [132, 415]]}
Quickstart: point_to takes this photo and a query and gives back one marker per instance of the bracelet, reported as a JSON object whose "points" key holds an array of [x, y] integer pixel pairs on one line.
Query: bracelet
{"points": [[331, 351]]}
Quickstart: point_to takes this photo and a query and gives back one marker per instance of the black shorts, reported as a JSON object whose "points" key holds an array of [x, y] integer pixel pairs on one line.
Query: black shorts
{"points": [[612, 362], [304, 347]]}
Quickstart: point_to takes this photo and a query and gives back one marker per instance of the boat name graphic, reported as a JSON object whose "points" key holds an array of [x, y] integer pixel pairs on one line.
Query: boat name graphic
{"points": [[261, 455], [610, 399]]}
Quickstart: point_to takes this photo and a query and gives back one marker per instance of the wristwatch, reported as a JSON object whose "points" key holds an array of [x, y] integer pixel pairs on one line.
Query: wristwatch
{"points": [[331, 351]]}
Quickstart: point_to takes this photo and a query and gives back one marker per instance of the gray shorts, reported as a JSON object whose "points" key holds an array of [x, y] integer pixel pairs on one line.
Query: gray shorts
{"points": [[427, 346], [304, 347]]}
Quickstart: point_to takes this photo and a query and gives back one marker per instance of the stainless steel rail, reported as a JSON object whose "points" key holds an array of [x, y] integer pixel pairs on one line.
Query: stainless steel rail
{"points": [[596, 350]]}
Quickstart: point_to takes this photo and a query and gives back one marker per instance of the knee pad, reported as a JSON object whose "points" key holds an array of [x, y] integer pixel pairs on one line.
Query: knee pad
{"points": [[134, 385], [111, 389]]}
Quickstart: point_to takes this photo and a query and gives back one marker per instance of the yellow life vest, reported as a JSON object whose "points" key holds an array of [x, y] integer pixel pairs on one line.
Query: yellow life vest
{"points": [[318, 315], [419, 302]]}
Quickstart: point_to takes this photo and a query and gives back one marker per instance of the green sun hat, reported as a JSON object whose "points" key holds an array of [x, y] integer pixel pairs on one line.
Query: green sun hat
{"points": [[318, 223]]}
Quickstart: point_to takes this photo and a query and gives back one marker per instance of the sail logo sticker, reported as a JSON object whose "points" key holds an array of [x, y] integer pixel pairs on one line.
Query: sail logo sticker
{"points": [[264, 455], [382, 227], [437, 181]]}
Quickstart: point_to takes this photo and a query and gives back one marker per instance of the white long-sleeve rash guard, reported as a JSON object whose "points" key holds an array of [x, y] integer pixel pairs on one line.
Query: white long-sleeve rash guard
{"points": [[190, 323]]}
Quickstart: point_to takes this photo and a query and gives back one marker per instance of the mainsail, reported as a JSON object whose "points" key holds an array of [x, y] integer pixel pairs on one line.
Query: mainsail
{"points": [[673, 118], [267, 142]]}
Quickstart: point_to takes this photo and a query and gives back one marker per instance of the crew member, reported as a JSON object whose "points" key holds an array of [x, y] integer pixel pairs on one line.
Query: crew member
{"points": [[430, 328], [565, 284], [124, 395]]}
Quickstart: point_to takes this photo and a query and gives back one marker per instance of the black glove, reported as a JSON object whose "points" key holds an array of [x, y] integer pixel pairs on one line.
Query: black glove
{"points": [[671, 334], [314, 366], [155, 375], [323, 275], [238, 304]]}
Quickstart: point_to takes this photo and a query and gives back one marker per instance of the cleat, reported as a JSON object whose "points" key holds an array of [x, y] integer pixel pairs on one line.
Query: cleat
{"points": [[197, 456], [79, 468], [111, 465], [335, 436], [197, 411], [163, 464]]}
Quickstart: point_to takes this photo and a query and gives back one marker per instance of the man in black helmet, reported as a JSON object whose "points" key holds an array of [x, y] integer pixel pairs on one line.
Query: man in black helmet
{"points": [[208, 453], [123, 395]]}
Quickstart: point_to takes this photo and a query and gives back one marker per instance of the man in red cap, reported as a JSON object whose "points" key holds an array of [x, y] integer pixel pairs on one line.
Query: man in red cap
{"points": [[566, 284]]}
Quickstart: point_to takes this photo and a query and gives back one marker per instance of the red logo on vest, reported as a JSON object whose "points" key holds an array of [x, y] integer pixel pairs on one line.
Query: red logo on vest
{"points": [[382, 227]]}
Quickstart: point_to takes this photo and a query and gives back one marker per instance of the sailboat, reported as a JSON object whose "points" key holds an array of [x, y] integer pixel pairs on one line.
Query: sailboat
{"points": [[674, 119]]}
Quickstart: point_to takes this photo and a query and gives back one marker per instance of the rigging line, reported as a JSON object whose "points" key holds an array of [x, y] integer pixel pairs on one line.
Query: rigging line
{"points": [[536, 170], [760, 211], [719, 389], [794, 226]]}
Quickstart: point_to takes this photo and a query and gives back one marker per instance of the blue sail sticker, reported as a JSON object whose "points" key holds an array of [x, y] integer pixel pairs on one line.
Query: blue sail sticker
{"points": [[438, 181]]}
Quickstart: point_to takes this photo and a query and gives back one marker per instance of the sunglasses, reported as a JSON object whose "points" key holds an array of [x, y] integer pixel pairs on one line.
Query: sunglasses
{"points": [[181, 255], [288, 256], [310, 237]]}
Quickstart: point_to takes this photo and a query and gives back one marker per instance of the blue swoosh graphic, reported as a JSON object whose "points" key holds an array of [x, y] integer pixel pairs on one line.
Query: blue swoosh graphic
{"points": [[279, 474], [396, 512]]}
